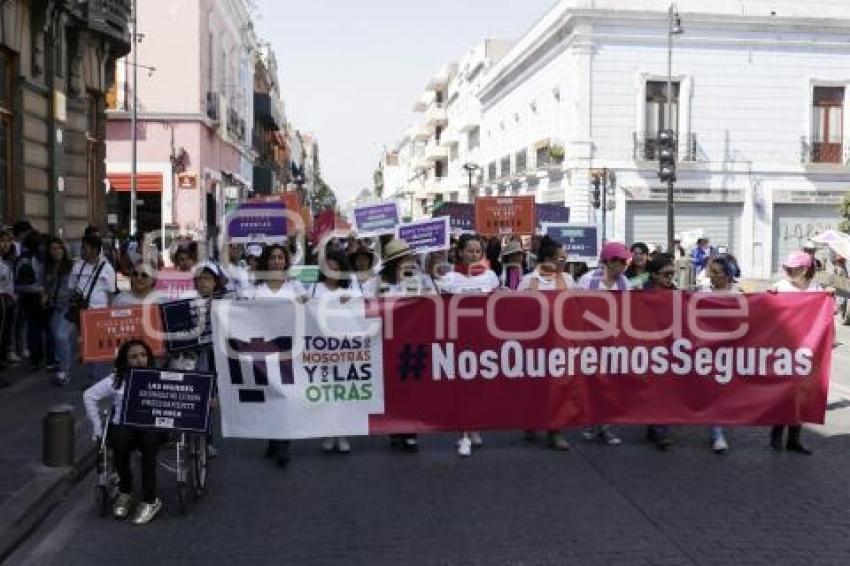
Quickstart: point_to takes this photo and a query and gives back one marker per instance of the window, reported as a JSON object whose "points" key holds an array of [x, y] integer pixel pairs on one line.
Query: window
{"points": [[440, 168], [656, 114], [474, 138], [454, 196], [505, 168], [827, 120], [521, 161], [544, 158], [491, 170]]}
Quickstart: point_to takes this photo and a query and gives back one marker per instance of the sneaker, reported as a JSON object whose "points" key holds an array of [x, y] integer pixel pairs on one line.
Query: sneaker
{"points": [[328, 445], [719, 445], [211, 451], [146, 512], [13, 359], [342, 445], [121, 507], [476, 440], [410, 443], [588, 433], [464, 447], [609, 438], [556, 441], [61, 378]]}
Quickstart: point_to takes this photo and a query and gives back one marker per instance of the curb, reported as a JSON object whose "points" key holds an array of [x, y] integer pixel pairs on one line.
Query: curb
{"points": [[31, 504]]}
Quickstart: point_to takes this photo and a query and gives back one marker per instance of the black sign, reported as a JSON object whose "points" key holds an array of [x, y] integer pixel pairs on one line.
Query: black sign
{"points": [[187, 324], [167, 400]]}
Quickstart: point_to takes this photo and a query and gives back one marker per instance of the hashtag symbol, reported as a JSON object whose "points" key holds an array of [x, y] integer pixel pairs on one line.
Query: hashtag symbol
{"points": [[412, 361]]}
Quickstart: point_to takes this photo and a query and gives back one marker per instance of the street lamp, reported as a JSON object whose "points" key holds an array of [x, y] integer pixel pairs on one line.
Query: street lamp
{"points": [[667, 141], [470, 169]]}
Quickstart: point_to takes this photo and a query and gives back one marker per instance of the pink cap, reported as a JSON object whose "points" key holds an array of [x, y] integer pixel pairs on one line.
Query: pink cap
{"points": [[798, 259], [615, 250]]}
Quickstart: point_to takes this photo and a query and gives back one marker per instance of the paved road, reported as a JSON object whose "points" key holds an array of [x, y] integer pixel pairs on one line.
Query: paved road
{"points": [[512, 503]]}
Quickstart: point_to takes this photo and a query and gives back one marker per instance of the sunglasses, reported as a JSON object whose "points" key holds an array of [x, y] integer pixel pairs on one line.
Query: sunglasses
{"points": [[140, 274]]}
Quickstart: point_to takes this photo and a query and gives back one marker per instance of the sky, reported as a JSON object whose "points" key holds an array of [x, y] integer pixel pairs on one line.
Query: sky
{"points": [[350, 70]]}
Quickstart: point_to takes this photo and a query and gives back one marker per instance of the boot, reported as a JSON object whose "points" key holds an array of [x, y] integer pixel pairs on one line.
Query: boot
{"points": [[776, 438], [794, 444]]}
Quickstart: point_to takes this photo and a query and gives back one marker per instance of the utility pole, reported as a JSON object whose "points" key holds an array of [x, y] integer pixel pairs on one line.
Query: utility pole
{"points": [[668, 138], [133, 119]]}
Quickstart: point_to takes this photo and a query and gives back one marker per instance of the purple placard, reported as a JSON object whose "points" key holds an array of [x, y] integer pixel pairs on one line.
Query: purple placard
{"points": [[257, 222], [376, 219], [460, 214], [426, 236], [548, 213]]}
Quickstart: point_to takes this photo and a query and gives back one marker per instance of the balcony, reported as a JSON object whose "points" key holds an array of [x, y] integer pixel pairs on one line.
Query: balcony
{"points": [[269, 110], [111, 18], [826, 154], [213, 104], [443, 76], [421, 134], [435, 152], [646, 148], [435, 115]]}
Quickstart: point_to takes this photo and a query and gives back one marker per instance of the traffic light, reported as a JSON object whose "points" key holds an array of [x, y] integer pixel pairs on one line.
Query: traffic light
{"points": [[597, 194], [667, 156]]}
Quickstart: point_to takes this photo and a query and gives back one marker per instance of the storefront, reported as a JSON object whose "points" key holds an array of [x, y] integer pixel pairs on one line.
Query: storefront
{"points": [[799, 216]]}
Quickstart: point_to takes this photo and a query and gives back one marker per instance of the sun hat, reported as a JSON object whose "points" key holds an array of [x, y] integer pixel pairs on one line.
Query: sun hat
{"points": [[396, 249], [511, 248], [615, 250], [797, 259]]}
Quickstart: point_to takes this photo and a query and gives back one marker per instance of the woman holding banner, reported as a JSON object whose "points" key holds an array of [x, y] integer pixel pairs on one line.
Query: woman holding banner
{"points": [[125, 439], [800, 269], [335, 284], [472, 274], [660, 274], [274, 283], [549, 275], [608, 276], [399, 277]]}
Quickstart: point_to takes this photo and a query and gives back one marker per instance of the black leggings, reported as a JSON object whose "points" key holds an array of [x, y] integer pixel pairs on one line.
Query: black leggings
{"points": [[124, 439]]}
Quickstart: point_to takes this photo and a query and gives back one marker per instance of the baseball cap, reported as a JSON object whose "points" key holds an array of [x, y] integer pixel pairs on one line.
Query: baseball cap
{"points": [[797, 259], [615, 250]]}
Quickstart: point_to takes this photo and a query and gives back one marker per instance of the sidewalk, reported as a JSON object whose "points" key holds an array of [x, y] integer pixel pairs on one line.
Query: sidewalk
{"points": [[28, 489]]}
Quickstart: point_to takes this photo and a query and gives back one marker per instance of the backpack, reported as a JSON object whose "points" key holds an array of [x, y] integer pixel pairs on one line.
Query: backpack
{"points": [[24, 272]]}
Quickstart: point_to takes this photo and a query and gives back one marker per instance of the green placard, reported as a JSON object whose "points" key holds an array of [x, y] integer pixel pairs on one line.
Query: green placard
{"points": [[305, 273]]}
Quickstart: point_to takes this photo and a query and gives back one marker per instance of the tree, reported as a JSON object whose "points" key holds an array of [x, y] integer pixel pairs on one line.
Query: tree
{"points": [[322, 197], [844, 209]]}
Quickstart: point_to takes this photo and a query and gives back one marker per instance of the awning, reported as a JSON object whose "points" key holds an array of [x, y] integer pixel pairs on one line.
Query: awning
{"points": [[145, 182]]}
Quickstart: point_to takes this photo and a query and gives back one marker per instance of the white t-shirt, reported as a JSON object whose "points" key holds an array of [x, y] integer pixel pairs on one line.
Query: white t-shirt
{"points": [[458, 283], [291, 289], [543, 283], [80, 280], [321, 290], [128, 299], [408, 287], [785, 286]]}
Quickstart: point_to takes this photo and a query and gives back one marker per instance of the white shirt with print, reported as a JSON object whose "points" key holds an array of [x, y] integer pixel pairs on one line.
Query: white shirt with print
{"points": [[80, 280], [543, 283]]}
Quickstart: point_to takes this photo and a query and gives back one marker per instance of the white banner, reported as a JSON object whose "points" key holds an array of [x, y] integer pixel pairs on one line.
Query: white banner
{"points": [[289, 370]]}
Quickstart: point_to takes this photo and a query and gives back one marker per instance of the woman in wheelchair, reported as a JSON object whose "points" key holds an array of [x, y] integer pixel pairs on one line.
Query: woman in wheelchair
{"points": [[124, 439]]}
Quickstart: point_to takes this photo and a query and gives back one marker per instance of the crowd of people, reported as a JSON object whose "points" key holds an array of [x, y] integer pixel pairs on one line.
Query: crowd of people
{"points": [[42, 293]]}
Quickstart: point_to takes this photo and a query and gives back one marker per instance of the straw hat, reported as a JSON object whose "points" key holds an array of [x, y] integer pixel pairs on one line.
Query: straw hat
{"points": [[511, 248], [396, 249]]}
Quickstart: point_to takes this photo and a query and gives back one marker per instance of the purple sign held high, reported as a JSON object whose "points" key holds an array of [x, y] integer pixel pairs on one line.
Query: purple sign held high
{"points": [[426, 236], [460, 214], [376, 219], [257, 222]]}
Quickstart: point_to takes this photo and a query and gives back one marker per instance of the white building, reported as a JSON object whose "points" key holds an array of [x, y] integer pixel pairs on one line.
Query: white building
{"points": [[763, 87], [426, 167]]}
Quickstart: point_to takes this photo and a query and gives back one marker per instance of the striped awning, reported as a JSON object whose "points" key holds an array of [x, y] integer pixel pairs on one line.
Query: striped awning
{"points": [[145, 182]]}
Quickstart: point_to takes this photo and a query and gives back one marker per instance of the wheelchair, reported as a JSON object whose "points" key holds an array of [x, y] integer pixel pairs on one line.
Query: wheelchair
{"points": [[184, 455]]}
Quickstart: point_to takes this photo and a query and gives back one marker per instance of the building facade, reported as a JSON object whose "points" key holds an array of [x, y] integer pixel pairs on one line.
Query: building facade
{"points": [[55, 68], [195, 100], [758, 98], [269, 143], [432, 162]]}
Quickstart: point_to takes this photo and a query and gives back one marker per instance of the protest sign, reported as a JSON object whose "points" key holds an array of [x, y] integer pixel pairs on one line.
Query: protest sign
{"points": [[172, 283], [426, 236], [461, 216], [186, 324], [376, 219], [104, 330], [581, 241], [572, 358], [503, 216], [260, 221], [167, 400]]}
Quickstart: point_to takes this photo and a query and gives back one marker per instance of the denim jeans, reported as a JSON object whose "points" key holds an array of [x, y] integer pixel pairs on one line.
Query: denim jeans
{"points": [[63, 338], [716, 432]]}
